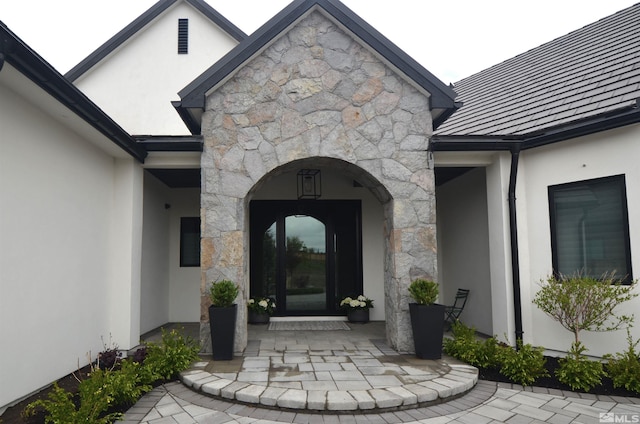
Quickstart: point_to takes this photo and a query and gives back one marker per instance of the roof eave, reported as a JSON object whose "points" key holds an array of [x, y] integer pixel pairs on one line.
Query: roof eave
{"points": [[170, 143], [30, 64], [621, 117], [461, 143]]}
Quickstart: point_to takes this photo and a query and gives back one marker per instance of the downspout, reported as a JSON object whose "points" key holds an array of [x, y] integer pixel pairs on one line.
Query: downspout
{"points": [[515, 263]]}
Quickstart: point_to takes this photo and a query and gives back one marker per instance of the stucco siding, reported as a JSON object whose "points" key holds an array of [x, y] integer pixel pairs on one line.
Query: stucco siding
{"points": [[605, 154], [57, 195], [154, 308], [184, 283], [463, 246], [137, 82]]}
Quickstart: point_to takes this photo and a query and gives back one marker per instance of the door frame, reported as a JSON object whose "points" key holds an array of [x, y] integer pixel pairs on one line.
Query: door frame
{"points": [[262, 215]]}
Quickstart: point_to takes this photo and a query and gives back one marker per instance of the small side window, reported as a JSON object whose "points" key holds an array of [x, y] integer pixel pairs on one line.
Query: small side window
{"points": [[189, 241], [183, 36], [590, 228]]}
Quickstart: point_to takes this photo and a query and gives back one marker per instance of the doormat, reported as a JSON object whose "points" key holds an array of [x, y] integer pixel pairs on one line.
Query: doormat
{"points": [[308, 325]]}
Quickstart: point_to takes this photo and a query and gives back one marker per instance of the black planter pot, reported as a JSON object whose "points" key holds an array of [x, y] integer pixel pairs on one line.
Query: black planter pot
{"points": [[222, 322], [358, 315], [427, 323], [256, 318]]}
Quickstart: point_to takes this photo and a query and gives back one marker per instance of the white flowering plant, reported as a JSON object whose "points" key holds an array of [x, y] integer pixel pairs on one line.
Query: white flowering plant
{"points": [[262, 305], [354, 303]]}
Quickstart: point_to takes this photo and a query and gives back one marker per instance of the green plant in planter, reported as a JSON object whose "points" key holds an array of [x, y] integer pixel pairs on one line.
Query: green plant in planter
{"points": [[223, 293], [424, 292], [427, 319]]}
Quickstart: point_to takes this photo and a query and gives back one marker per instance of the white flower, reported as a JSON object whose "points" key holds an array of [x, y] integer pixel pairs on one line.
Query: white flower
{"points": [[354, 303], [345, 301], [273, 305], [263, 303], [362, 298], [251, 302]]}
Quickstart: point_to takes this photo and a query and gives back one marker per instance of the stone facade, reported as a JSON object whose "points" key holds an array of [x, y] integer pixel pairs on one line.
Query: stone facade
{"points": [[317, 95]]}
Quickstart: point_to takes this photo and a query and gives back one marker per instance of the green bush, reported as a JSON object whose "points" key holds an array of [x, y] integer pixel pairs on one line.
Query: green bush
{"points": [[463, 345], [424, 292], [105, 388], [223, 293], [489, 353], [95, 397], [129, 383], [579, 372], [624, 368], [173, 355], [466, 347], [523, 365]]}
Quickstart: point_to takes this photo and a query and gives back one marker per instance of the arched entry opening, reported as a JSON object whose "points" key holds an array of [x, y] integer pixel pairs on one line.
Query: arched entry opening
{"points": [[310, 254]]}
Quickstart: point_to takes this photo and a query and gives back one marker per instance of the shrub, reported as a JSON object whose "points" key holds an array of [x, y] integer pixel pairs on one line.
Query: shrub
{"points": [[466, 347], [489, 353], [174, 354], [523, 365], [463, 345], [624, 368], [424, 292], [94, 395], [223, 293], [584, 303], [579, 372], [129, 383]]}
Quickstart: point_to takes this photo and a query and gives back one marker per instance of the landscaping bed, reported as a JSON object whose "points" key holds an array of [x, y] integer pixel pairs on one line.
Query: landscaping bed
{"points": [[551, 364]]}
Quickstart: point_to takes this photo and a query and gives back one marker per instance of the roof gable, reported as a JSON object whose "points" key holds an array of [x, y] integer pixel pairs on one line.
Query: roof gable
{"points": [[27, 62], [142, 21], [193, 96], [588, 73]]}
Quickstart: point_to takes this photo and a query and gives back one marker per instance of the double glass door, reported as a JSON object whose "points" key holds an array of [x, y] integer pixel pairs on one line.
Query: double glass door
{"points": [[305, 254]]}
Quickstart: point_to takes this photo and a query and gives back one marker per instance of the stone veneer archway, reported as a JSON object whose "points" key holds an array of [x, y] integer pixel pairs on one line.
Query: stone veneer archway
{"points": [[318, 93]]}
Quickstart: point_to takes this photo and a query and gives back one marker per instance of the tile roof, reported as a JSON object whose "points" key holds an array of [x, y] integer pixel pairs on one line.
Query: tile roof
{"points": [[587, 73]]}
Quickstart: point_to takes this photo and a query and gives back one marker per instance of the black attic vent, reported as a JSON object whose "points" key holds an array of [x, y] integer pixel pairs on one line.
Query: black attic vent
{"points": [[183, 36]]}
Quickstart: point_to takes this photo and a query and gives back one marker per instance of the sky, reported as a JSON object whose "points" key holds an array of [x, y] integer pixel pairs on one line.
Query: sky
{"points": [[453, 39]]}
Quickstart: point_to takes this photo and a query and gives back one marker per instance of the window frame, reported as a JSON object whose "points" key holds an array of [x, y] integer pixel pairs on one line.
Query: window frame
{"points": [[187, 224], [620, 182]]}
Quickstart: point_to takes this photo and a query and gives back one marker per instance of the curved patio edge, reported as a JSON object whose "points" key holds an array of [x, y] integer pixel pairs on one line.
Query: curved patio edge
{"points": [[425, 384]]}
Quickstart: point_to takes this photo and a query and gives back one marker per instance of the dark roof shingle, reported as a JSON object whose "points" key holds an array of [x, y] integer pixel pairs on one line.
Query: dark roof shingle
{"points": [[588, 72]]}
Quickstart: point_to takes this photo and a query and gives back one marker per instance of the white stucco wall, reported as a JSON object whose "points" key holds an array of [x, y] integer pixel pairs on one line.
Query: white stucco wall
{"points": [[339, 187], [137, 82], [170, 293], [463, 246], [184, 282], [154, 310], [67, 216], [609, 153]]}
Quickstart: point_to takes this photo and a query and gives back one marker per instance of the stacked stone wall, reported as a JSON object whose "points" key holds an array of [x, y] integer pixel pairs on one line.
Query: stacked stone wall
{"points": [[316, 94]]}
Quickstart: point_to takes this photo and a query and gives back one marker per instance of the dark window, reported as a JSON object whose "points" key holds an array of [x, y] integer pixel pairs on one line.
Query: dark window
{"points": [[183, 36], [190, 241], [590, 228]]}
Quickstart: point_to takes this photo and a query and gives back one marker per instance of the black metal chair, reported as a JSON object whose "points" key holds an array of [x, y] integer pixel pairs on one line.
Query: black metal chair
{"points": [[452, 313]]}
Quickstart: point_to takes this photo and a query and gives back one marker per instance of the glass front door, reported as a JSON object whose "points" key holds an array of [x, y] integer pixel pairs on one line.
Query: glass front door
{"points": [[305, 254]]}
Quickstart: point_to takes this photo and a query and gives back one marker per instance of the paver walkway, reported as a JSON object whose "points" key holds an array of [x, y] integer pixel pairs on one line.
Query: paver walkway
{"points": [[292, 362]]}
